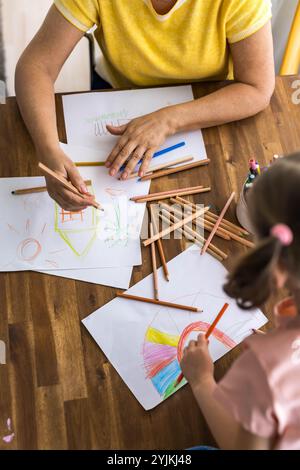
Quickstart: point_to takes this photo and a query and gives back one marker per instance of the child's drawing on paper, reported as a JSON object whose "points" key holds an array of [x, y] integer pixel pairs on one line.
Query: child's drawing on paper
{"points": [[120, 226], [166, 338], [77, 229]]}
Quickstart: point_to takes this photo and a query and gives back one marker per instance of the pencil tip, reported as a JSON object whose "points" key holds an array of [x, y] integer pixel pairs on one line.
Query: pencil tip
{"points": [[13, 192], [199, 310]]}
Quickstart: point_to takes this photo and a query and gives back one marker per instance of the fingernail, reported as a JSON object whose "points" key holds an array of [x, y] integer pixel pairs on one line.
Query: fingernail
{"points": [[107, 164], [141, 174], [84, 189], [113, 172], [124, 176]]}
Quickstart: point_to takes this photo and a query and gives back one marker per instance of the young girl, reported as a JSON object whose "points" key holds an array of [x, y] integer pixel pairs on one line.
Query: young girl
{"points": [[257, 404]]}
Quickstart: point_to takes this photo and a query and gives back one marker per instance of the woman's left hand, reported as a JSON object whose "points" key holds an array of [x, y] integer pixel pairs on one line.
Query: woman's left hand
{"points": [[196, 364], [139, 140]]}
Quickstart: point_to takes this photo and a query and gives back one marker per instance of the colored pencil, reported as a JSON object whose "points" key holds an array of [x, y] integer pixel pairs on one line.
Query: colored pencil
{"points": [[258, 332], [153, 168], [171, 171], [38, 189], [160, 302], [154, 265], [212, 233], [163, 193], [190, 234], [159, 245], [66, 184], [208, 333], [162, 152], [167, 195], [79, 164], [171, 229], [208, 226], [225, 223]]}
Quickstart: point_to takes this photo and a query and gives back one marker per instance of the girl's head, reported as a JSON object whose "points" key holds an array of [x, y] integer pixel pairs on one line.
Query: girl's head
{"points": [[274, 210]]}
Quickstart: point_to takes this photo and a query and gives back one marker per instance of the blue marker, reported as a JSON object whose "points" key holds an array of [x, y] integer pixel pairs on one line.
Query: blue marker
{"points": [[162, 152]]}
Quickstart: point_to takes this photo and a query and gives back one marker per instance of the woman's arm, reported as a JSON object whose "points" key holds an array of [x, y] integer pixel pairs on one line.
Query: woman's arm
{"points": [[248, 95], [36, 73], [198, 368]]}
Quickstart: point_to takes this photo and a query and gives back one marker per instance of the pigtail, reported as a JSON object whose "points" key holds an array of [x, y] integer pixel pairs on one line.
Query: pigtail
{"points": [[252, 280]]}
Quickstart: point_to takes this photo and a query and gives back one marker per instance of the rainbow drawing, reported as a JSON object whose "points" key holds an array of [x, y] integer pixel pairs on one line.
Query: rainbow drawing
{"points": [[162, 353]]}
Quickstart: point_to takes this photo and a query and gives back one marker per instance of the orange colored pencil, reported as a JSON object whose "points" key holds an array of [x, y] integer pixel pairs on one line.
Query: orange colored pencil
{"points": [[221, 216], [154, 265], [163, 193], [38, 189], [160, 302], [208, 333], [171, 171], [159, 245], [66, 184]]}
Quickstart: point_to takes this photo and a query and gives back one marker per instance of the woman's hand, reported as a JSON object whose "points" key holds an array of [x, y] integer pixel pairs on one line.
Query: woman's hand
{"points": [[196, 364], [63, 166], [139, 140]]}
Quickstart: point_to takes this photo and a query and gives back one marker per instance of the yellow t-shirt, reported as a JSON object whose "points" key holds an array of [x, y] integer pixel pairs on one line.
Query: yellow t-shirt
{"points": [[190, 43]]}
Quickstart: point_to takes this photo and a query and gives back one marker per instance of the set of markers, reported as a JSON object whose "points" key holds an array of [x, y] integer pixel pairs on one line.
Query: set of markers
{"points": [[255, 171]]}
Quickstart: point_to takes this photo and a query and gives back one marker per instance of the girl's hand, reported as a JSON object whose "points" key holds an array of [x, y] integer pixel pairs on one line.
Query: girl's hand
{"points": [[141, 137], [196, 364], [63, 166]]}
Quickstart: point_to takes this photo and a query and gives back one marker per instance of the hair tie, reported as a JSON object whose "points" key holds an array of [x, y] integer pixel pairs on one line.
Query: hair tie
{"points": [[283, 233]]}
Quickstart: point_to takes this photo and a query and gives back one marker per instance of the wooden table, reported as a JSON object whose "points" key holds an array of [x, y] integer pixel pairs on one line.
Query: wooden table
{"points": [[57, 386]]}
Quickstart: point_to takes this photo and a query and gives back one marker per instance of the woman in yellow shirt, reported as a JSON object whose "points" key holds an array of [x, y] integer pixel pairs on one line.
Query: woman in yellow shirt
{"points": [[149, 43]]}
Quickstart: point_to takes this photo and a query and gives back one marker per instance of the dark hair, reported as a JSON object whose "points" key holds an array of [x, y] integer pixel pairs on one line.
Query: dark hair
{"points": [[274, 199]]}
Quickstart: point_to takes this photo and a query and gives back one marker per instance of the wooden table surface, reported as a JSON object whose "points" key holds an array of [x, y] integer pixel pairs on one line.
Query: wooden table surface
{"points": [[57, 386]]}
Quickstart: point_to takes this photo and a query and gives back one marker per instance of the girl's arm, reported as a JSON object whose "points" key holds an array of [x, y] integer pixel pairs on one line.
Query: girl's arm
{"points": [[248, 95], [197, 367], [36, 73]]}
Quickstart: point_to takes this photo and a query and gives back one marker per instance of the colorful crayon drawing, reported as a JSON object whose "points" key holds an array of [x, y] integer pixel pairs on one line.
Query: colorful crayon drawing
{"points": [[162, 349], [119, 228], [77, 229]]}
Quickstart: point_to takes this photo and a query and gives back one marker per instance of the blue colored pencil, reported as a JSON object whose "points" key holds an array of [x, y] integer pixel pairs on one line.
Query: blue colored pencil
{"points": [[162, 152]]}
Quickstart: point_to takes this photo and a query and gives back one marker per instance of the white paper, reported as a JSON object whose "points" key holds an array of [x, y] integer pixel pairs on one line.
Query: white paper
{"points": [[87, 114], [37, 234], [140, 338]]}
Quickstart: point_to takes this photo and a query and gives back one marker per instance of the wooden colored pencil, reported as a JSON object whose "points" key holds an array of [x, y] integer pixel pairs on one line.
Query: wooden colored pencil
{"points": [[160, 302], [216, 320], [38, 189], [193, 236], [238, 229], [161, 166], [151, 198], [208, 333], [171, 171], [171, 229], [66, 184], [159, 245], [202, 222], [212, 233], [163, 193], [258, 332], [79, 164], [154, 265]]}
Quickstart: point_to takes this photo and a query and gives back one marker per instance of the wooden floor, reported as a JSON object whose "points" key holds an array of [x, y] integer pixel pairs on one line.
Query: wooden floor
{"points": [[57, 387]]}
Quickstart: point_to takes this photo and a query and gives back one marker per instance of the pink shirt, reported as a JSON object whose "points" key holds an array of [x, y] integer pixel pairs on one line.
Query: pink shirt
{"points": [[262, 389]]}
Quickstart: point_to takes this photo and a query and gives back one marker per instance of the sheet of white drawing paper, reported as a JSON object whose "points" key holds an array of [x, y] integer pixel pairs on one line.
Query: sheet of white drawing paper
{"points": [[114, 277], [142, 340], [87, 114], [37, 234]]}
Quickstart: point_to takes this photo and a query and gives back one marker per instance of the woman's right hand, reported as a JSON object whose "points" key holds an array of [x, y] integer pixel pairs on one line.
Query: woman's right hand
{"points": [[63, 166]]}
